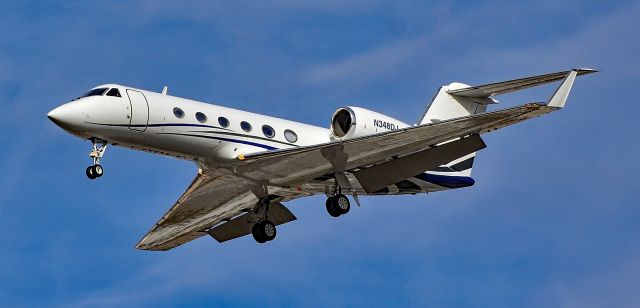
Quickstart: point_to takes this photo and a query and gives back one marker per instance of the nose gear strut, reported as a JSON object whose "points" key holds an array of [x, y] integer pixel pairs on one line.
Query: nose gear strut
{"points": [[99, 146]]}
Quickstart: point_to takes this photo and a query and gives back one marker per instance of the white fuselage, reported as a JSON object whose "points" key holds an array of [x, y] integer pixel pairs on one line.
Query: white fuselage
{"points": [[216, 136], [145, 120]]}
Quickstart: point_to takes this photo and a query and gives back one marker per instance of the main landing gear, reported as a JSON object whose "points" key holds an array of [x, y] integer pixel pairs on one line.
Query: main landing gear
{"points": [[99, 146], [338, 205], [263, 230]]}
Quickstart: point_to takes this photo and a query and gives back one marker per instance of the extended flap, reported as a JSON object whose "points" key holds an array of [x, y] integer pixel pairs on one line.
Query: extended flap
{"points": [[393, 171], [240, 226]]}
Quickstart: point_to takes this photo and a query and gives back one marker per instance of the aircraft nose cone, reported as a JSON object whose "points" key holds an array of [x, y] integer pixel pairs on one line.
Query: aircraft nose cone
{"points": [[53, 115], [63, 116], [58, 115]]}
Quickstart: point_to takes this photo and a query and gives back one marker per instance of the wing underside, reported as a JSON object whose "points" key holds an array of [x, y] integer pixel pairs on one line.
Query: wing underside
{"points": [[211, 199]]}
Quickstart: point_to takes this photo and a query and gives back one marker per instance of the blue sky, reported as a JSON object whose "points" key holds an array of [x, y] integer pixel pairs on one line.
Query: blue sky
{"points": [[551, 221]]}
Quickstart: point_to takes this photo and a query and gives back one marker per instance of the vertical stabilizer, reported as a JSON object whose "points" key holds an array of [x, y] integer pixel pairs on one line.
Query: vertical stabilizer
{"points": [[445, 106]]}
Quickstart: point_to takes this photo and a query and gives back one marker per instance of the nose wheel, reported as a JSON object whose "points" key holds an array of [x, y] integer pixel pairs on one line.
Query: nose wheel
{"points": [[94, 171], [99, 147]]}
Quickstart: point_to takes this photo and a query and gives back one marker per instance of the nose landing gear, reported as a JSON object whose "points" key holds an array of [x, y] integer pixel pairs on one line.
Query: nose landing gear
{"points": [[99, 146]]}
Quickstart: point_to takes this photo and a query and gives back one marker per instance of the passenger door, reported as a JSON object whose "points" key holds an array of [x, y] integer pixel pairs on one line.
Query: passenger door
{"points": [[139, 110]]}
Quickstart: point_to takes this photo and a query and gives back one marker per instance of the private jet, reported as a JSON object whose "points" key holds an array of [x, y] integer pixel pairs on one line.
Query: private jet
{"points": [[250, 164]]}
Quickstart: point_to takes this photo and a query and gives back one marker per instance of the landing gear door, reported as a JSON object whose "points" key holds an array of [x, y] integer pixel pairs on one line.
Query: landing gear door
{"points": [[139, 110]]}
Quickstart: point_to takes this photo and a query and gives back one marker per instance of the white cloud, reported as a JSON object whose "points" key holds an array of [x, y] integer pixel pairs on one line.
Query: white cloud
{"points": [[367, 66]]}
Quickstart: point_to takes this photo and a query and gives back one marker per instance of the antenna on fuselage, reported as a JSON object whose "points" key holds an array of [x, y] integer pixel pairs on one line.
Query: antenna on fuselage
{"points": [[164, 90]]}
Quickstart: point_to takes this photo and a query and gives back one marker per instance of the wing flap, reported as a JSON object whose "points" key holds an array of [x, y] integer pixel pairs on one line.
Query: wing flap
{"points": [[241, 226], [396, 170], [503, 87]]}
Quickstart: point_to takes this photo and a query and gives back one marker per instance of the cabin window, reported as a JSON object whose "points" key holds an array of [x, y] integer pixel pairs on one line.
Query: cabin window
{"points": [[114, 92], [268, 131], [290, 135], [201, 117], [178, 113], [245, 126], [223, 122]]}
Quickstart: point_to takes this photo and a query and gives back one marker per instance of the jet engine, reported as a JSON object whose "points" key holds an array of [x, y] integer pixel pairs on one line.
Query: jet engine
{"points": [[353, 122]]}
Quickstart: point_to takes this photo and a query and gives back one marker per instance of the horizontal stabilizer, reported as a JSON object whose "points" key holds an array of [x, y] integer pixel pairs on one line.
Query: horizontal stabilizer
{"points": [[503, 87]]}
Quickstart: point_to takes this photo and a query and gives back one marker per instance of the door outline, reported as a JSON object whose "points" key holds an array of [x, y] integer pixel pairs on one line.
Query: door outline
{"points": [[145, 107]]}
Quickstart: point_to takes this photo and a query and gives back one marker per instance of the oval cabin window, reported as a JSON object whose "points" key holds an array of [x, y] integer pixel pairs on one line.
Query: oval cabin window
{"points": [[178, 113], [245, 126], [268, 131], [201, 117], [224, 123], [290, 135]]}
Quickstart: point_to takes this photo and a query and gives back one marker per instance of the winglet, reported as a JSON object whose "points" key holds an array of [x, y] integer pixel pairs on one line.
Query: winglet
{"points": [[560, 96]]}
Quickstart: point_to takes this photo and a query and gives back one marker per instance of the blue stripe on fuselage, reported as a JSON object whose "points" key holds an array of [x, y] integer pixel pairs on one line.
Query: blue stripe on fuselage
{"points": [[159, 125], [255, 144]]}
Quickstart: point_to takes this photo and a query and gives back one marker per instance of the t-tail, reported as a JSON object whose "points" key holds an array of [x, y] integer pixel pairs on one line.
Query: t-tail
{"points": [[460, 100]]}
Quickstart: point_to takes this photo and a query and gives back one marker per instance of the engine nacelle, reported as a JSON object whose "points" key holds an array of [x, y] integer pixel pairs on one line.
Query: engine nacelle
{"points": [[352, 122]]}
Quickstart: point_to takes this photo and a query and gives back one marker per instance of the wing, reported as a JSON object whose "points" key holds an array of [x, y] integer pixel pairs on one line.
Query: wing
{"points": [[298, 165], [211, 199], [503, 87]]}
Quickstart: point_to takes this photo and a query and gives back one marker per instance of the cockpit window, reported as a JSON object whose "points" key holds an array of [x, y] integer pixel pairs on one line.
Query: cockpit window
{"points": [[114, 92], [95, 92]]}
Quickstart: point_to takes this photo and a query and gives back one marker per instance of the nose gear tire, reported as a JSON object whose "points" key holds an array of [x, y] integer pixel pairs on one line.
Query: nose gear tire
{"points": [[97, 170], [90, 173]]}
